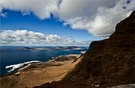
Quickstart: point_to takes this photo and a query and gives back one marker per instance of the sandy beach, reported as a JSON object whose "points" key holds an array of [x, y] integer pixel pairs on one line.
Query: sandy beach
{"points": [[36, 74]]}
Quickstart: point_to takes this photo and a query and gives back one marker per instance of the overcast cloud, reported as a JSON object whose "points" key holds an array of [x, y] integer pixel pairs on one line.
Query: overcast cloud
{"points": [[24, 37], [98, 17]]}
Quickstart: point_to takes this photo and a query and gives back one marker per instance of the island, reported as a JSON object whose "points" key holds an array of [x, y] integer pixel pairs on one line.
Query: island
{"points": [[53, 48]]}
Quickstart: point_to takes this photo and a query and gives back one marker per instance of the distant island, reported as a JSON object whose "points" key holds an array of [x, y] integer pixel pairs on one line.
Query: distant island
{"points": [[52, 48]]}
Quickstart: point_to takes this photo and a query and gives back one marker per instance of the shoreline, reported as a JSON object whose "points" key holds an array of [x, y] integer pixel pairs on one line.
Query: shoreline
{"points": [[35, 74], [60, 58], [20, 66]]}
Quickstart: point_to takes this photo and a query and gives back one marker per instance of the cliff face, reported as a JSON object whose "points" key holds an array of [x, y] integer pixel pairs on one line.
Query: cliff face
{"points": [[107, 63]]}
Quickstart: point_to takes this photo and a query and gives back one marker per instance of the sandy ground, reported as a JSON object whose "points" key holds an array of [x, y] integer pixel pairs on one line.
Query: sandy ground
{"points": [[30, 76]]}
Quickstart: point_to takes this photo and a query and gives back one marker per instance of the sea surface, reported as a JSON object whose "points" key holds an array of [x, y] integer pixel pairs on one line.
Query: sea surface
{"points": [[11, 57]]}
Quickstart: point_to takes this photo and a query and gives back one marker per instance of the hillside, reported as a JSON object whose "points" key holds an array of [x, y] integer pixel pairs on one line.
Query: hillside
{"points": [[35, 74], [107, 63]]}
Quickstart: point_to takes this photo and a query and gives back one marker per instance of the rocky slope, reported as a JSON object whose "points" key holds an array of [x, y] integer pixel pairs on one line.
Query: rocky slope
{"points": [[107, 63]]}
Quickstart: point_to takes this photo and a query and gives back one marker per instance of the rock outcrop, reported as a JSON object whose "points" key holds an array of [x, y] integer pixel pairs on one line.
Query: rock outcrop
{"points": [[107, 63]]}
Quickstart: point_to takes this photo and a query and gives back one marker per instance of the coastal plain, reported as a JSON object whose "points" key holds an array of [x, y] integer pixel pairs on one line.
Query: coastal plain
{"points": [[35, 74]]}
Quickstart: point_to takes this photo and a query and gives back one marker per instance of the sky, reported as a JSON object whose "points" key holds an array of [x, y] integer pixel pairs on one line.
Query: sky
{"points": [[60, 22]]}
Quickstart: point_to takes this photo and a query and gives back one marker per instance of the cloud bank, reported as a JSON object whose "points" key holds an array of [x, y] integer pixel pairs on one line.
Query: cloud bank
{"points": [[98, 17], [23, 37]]}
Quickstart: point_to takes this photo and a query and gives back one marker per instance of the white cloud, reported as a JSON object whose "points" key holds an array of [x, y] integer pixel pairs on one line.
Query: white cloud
{"points": [[98, 17], [24, 37], [3, 14], [41, 8]]}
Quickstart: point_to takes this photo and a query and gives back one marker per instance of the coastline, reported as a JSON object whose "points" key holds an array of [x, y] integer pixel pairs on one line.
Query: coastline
{"points": [[35, 74]]}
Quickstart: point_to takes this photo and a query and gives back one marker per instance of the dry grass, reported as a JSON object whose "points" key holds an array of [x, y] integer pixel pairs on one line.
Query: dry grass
{"points": [[54, 71]]}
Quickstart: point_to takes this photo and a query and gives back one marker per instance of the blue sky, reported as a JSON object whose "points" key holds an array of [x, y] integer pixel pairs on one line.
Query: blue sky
{"points": [[51, 22], [15, 20]]}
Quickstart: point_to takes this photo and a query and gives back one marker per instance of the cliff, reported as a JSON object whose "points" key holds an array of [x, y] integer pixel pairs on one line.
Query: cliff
{"points": [[107, 63]]}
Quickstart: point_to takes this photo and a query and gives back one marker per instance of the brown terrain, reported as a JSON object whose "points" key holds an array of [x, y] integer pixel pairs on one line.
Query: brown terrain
{"points": [[36, 74], [107, 63]]}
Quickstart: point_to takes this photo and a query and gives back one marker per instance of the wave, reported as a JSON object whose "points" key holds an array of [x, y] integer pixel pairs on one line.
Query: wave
{"points": [[82, 52], [17, 66]]}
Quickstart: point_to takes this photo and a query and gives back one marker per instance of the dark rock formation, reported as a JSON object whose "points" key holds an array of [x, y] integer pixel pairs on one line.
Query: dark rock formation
{"points": [[107, 63]]}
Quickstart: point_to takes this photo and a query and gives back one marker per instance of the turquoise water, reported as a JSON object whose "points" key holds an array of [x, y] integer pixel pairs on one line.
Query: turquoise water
{"points": [[11, 55]]}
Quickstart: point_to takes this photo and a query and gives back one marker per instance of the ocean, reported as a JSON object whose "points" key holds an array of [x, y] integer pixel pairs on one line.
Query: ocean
{"points": [[11, 57]]}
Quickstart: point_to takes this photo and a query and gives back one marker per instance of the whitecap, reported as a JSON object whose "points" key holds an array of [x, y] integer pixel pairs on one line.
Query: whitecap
{"points": [[17, 66], [82, 52]]}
